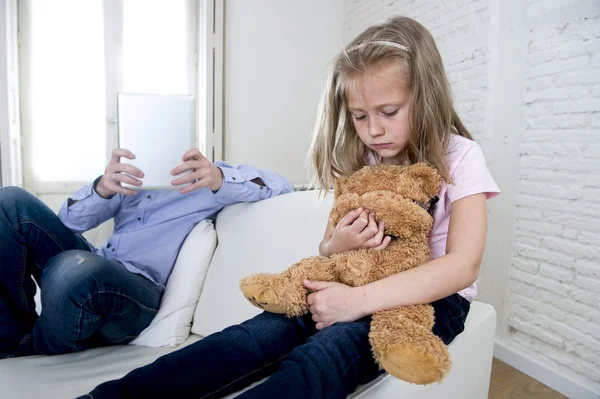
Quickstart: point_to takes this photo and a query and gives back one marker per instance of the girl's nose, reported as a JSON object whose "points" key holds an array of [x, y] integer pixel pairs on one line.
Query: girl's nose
{"points": [[375, 128]]}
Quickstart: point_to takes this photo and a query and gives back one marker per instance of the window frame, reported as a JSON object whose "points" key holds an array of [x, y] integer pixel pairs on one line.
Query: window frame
{"points": [[205, 80], [10, 127]]}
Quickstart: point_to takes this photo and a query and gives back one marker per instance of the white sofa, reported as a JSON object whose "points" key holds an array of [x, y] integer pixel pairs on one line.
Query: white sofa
{"points": [[264, 236]]}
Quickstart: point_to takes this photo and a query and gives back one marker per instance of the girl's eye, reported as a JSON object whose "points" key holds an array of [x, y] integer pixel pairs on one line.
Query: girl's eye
{"points": [[390, 113], [359, 118]]}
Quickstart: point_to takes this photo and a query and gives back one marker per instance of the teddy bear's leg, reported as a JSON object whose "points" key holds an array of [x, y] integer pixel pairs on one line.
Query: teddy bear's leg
{"points": [[405, 347], [285, 292]]}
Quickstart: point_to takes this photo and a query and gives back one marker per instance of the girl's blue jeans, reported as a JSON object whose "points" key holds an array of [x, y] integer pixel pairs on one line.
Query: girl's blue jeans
{"points": [[302, 362]]}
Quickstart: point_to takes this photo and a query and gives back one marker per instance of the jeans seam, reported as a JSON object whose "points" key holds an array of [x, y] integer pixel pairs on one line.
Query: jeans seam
{"points": [[242, 377], [44, 230], [31, 221], [354, 361], [22, 276], [80, 322], [117, 293]]}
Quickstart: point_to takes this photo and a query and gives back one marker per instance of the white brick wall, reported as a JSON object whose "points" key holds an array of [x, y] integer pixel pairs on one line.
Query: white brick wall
{"points": [[554, 280], [552, 308]]}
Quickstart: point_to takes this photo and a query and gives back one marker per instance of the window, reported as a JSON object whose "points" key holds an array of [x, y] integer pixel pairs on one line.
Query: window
{"points": [[63, 87], [75, 56], [156, 47]]}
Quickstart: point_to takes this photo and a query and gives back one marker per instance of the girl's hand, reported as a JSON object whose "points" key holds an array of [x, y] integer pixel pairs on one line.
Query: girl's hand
{"points": [[331, 303], [358, 229], [204, 173]]}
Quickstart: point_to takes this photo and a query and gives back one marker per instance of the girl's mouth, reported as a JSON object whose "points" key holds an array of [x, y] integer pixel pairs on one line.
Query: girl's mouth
{"points": [[381, 146]]}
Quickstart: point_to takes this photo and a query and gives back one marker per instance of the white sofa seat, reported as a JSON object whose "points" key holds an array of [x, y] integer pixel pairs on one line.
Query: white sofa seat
{"points": [[73, 374], [264, 236]]}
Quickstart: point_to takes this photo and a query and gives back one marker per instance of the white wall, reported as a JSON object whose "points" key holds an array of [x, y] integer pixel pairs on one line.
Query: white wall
{"points": [[526, 81], [276, 56], [554, 279]]}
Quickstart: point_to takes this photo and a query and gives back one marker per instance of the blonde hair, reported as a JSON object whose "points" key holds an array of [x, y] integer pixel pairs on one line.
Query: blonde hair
{"points": [[337, 150]]}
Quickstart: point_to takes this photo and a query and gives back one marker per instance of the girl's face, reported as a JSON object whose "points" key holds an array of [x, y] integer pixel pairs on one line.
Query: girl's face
{"points": [[379, 103]]}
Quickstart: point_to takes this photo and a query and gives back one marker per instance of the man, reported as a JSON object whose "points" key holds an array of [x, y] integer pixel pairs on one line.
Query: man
{"points": [[101, 296]]}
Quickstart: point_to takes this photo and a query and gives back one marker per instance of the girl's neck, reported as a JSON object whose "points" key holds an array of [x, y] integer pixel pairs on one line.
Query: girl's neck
{"points": [[374, 158], [396, 161]]}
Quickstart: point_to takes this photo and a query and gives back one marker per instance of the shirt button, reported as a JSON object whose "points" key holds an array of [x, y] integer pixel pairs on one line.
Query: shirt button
{"points": [[149, 197], [139, 218], [233, 178], [113, 250], [261, 187]]}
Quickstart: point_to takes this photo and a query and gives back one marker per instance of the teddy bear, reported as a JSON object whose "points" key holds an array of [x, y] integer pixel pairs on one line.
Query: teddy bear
{"points": [[403, 197]]}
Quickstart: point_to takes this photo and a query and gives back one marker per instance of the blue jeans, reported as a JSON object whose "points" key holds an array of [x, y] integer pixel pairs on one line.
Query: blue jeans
{"points": [[302, 361], [87, 300]]}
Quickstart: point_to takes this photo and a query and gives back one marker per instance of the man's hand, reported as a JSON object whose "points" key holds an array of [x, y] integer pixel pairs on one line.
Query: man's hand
{"points": [[358, 229], [204, 173], [114, 174]]}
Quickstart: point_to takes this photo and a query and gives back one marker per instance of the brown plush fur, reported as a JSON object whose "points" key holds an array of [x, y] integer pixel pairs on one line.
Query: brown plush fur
{"points": [[401, 338]]}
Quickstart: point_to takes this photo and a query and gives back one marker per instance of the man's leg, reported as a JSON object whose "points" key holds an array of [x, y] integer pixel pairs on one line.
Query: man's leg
{"points": [[89, 301], [31, 235]]}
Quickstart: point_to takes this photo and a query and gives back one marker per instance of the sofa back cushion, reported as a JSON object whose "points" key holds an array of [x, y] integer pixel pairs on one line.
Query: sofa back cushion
{"points": [[265, 236], [171, 325]]}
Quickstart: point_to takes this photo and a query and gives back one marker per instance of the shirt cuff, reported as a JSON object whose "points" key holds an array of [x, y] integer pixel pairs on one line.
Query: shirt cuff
{"points": [[91, 197], [230, 188]]}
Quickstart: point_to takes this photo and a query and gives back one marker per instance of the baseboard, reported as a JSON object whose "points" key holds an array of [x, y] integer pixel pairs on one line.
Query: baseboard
{"points": [[536, 370]]}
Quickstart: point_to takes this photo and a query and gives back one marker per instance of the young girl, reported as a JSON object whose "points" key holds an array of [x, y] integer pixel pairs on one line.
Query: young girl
{"points": [[388, 101]]}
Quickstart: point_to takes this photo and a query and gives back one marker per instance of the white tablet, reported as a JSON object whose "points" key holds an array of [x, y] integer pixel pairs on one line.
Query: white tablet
{"points": [[158, 129]]}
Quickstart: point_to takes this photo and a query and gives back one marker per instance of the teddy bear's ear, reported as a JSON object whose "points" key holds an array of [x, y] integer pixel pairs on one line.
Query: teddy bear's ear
{"points": [[428, 177]]}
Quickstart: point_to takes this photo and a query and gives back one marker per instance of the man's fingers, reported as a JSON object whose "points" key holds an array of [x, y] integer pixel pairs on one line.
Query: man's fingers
{"points": [[126, 168], [187, 165], [192, 153], [123, 178], [193, 187], [117, 188], [191, 164], [201, 175], [117, 153]]}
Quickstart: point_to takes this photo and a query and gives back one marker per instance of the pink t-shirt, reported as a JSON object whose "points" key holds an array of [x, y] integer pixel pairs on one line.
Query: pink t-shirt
{"points": [[469, 172], [470, 175]]}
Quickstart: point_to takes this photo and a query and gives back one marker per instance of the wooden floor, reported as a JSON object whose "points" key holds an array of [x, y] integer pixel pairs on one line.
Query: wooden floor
{"points": [[509, 383]]}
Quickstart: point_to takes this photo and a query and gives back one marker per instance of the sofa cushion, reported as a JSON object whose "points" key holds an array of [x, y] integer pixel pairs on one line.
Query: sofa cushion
{"points": [[172, 324], [264, 236], [73, 374]]}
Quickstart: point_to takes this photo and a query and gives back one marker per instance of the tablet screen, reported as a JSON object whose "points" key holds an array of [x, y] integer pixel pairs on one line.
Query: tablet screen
{"points": [[158, 130]]}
